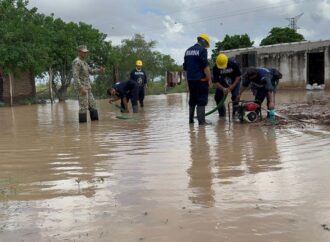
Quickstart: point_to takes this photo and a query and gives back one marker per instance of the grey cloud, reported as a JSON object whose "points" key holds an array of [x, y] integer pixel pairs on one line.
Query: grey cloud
{"points": [[215, 17]]}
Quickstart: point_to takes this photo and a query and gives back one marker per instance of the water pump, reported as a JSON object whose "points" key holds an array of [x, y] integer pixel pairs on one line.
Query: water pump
{"points": [[247, 111]]}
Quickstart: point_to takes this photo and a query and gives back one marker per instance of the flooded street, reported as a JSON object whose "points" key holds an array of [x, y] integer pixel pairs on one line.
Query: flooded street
{"points": [[155, 178]]}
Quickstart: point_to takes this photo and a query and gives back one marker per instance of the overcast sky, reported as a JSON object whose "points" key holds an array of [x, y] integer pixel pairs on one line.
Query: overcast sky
{"points": [[176, 24]]}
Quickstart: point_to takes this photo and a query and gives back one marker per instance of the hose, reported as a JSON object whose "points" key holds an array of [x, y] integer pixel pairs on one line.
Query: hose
{"points": [[220, 104]]}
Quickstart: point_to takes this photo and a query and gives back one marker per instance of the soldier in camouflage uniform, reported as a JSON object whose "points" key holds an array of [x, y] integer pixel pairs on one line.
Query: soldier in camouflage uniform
{"points": [[81, 71]]}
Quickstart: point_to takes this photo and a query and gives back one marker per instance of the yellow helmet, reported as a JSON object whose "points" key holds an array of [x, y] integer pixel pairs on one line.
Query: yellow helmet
{"points": [[206, 38], [139, 63], [222, 61]]}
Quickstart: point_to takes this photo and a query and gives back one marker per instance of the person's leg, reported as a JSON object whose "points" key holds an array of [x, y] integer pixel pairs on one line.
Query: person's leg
{"points": [[191, 113], [218, 97], [92, 106], [203, 92], [192, 100], [83, 107], [134, 99], [260, 95], [141, 96], [234, 94], [201, 115]]}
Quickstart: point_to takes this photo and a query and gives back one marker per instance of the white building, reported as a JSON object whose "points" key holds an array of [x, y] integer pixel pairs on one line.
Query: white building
{"points": [[301, 63]]}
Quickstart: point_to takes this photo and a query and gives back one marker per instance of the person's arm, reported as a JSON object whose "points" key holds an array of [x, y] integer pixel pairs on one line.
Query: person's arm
{"points": [[267, 80], [270, 96], [216, 79], [234, 84], [145, 78], [125, 103], [238, 74], [245, 84], [207, 73], [93, 71], [114, 99], [242, 89]]}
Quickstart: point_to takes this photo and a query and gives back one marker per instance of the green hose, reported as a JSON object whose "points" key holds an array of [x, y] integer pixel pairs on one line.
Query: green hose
{"points": [[220, 104], [119, 107], [123, 117]]}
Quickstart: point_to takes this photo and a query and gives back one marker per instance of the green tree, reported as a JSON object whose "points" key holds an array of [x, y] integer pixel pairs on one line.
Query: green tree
{"points": [[63, 39], [282, 35], [21, 44], [232, 42]]}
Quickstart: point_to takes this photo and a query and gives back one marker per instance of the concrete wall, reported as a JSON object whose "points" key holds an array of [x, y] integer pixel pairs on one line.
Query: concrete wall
{"points": [[290, 59], [23, 87], [327, 66]]}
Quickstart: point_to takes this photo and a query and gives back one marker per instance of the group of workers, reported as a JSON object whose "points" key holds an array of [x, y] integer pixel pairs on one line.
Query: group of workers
{"points": [[130, 90], [226, 77]]}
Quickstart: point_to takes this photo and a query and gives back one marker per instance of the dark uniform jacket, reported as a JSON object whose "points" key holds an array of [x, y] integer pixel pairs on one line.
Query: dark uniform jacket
{"points": [[195, 61], [125, 88], [265, 79], [228, 75], [139, 76]]}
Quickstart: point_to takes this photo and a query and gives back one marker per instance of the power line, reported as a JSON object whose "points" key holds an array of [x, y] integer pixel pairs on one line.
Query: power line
{"points": [[226, 15]]}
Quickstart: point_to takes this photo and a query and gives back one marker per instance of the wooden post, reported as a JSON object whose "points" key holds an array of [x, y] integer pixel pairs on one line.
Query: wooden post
{"points": [[50, 81], [11, 88], [115, 71]]}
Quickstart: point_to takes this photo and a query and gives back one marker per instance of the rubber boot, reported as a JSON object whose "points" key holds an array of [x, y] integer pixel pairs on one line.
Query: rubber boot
{"points": [[82, 117], [191, 114], [135, 108], [94, 114], [141, 104], [235, 111], [222, 112], [201, 115]]}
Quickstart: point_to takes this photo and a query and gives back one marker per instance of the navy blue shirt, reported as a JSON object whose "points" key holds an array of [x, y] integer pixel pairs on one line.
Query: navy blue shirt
{"points": [[227, 75], [139, 76], [263, 80], [124, 88], [195, 61]]}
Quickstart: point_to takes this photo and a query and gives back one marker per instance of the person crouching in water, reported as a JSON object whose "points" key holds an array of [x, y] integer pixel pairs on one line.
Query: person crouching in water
{"points": [[199, 77], [227, 78], [125, 91], [139, 75], [263, 82]]}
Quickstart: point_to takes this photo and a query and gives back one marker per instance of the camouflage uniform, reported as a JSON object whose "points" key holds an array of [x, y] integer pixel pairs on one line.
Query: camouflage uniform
{"points": [[81, 71]]}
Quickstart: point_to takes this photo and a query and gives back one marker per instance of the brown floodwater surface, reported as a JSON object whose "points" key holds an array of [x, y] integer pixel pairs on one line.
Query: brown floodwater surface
{"points": [[154, 177]]}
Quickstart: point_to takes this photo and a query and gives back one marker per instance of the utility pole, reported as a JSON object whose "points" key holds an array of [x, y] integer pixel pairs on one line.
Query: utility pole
{"points": [[293, 21]]}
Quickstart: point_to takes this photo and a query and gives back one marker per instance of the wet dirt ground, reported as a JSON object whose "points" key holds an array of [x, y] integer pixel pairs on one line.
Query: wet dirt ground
{"points": [[155, 178]]}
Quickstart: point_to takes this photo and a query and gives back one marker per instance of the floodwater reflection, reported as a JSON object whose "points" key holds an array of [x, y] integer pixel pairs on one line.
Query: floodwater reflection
{"points": [[156, 178]]}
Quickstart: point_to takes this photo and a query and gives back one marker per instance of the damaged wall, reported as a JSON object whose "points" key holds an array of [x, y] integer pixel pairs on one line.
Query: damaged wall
{"points": [[23, 86]]}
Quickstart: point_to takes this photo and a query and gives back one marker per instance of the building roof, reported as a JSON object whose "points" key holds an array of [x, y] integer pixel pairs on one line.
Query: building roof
{"points": [[285, 47]]}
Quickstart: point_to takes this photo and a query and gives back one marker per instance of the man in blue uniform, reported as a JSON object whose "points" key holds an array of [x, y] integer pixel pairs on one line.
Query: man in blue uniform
{"points": [[263, 82], [227, 77], [140, 77], [125, 90], [199, 77]]}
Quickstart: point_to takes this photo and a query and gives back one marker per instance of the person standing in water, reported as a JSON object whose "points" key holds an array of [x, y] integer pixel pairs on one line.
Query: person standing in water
{"points": [[81, 71]]}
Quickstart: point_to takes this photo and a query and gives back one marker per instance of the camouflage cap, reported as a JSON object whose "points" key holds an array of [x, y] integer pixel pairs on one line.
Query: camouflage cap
{"points": [[82, 48]]}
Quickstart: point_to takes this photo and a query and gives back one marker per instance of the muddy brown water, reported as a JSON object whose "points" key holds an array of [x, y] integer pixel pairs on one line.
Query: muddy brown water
{"points": [[155, 178]]}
